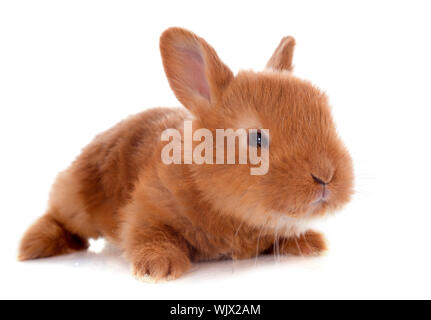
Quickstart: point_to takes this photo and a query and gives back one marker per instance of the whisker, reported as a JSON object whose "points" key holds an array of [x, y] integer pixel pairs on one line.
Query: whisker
{"points": [[234, 238], [276, 244], [258, 240], [297, 245]]}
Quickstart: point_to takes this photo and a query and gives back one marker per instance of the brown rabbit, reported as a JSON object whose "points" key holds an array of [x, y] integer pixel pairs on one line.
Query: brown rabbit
{"points": [[166, 216]]}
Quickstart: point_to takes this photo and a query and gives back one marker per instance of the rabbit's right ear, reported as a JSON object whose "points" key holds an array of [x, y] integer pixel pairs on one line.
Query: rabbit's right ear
{"points": [[283, 55], [195, 73]]}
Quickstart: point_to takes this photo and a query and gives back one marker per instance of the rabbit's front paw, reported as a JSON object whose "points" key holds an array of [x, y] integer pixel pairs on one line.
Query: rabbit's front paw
{"points": [[311, 243], [157, 265]]}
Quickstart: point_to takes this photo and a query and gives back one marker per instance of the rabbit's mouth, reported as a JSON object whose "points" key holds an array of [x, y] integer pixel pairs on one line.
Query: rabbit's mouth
{"points": [[323, 196]]}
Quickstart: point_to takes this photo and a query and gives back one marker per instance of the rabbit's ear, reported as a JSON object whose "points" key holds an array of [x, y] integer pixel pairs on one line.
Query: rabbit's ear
{"points": [[195, 73], [283, 55]]}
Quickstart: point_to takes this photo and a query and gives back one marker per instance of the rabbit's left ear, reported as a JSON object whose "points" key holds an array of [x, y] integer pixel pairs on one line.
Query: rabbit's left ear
{"points": [[283, 55]]}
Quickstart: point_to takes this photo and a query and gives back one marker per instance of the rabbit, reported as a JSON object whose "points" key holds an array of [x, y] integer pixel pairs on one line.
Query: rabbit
{"points": [[166, 217]]}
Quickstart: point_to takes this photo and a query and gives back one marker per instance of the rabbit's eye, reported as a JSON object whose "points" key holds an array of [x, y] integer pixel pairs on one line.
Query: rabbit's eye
{"points": [[259, 139], [256, 139]]}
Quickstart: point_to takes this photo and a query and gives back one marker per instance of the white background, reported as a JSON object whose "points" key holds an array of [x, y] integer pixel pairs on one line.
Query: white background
{"points": [[70, 69]]}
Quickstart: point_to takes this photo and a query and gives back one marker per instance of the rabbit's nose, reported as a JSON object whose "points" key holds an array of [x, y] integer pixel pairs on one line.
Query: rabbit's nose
{"points": [[320, 180]]}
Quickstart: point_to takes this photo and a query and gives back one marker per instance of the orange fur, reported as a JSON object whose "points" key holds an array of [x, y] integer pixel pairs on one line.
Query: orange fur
{"points": [[167, 216], [48, 237]]}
